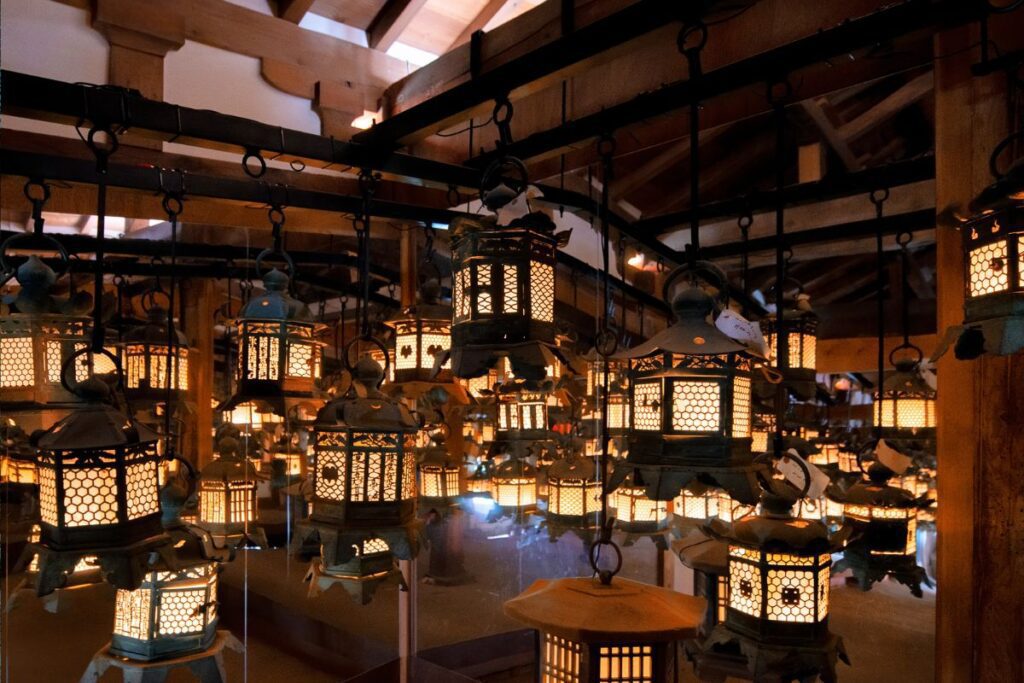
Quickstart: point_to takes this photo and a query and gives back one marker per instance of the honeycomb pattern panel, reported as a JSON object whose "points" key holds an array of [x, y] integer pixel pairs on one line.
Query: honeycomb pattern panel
{"points": [[48, 495], [647, 406], [560, 660], [791, 596], [989, 271], [300, 360], [908, 413], [54, 361], [696, 406], [181, 612], [542, 291], [459, 295], [744, 588], [143, 494], [90, 496], [741, 407], [17, 367], [626, 664], [405, 352]]}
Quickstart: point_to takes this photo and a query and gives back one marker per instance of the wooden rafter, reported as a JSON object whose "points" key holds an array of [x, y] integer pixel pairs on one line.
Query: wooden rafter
{"points": [[293, 10], [911, 92], [389, 23], [479, 21]]}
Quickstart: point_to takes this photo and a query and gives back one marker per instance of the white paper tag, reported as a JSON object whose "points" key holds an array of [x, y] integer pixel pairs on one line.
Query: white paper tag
{"points": [[518, 207], [794, 474], [891, 458], [930, 378], [735, 326]]}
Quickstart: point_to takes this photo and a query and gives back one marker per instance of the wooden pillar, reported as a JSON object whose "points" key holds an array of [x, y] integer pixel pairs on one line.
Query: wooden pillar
{"points": [[980, 610], [200, 300]]}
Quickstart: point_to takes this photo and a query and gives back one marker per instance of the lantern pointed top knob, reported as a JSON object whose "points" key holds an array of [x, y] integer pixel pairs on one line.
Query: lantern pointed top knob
{"points": [[35, 274], [368, 372], [93, 389], [275, 281], [879, 473], [693, 302], [430, 291], [156, 315]]}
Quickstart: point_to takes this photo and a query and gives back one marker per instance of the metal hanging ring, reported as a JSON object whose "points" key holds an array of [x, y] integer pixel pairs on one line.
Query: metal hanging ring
{"points": [[172, 204], [276, 216], [880, 196], [605, 575], [904, 238], [148, 300], [372, 340], [503, 111], [745, 221], [906, 346], [254, 155], [43, 190], [102, 151], [69, 362], [499, 172], [685, 42], [705, 270], [779, 92], [271, 252], [606, 146], [193, 474], [5, 265], [606, 342]]}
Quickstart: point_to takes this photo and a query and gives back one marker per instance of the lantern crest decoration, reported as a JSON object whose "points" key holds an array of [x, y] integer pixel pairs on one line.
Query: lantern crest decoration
{"points": [[690, 399], [884, 521], [422, 335], [503, 295], [279, 355]]}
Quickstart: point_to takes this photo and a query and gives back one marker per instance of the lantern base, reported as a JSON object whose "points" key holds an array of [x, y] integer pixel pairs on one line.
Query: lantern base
{"points": [[337, 544], [870, 568], [207, 666], [361, 586], [726, 653], [664, 482], [122, 566]]}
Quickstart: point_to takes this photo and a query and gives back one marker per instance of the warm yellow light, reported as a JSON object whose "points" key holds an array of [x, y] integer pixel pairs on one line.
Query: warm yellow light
{"points": [[439, 481], [169, 604], [868, 513], [366, 120], [573, 497], [989, 269], [908, 413], [632, 506], [828, 455], [560, 660], [797, 586]]}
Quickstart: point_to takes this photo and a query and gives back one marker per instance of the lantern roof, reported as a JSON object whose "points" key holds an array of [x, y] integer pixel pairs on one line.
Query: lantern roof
{"points": [[231, 465], [429, 307], [155, 330], [692, 333], [364, 406], [584, 610], [275, 303], [437, 454], [36, 280], [697, 550], [875, 491], [514, 468], [1007, 190], [573, 468], [95, 425], [776, 530], [907, 379]]}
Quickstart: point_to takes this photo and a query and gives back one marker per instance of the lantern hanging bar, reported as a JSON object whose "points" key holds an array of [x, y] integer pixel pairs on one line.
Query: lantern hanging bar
{"points": [[878, 198]]}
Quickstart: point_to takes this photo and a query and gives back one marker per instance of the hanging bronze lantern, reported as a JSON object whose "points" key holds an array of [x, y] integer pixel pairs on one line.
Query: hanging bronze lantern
{"points": [[635, 512], [17, 458], [522, 412], [440, 474], [796, 361], [907, 402], [174, 612], [779, 570], [690, 397], [514, 484], [279, 356], [884, 520], [574, 492], [227, 497], [360, 572], [708, 558], [503, 295], [98, 489], [422, 334], [145, 354]]}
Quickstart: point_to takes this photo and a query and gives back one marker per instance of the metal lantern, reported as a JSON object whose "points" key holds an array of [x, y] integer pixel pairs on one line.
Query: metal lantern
{"points": [[635, 512], [364, 463], [174, 612], [98, 477], [699, 503], [522, 412], [690, 397], [279, 357], [17, 458], [514, 484], [708, 558], [907, 402], [227, 495], [422, 334], [37, 338], [478, 484], [574, 492], [503, 294], [617, 397], [369, 565], [884, 520], [440, 474], [796, 360], [827, 455], [146, 352], [592, 632]]}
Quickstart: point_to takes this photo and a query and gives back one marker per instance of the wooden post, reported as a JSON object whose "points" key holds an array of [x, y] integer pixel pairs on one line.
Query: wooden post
{"points": [[980, 604], [201, 303]]}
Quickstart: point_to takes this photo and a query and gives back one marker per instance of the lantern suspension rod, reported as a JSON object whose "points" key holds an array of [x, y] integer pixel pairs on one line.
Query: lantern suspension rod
{"points": [[173, 204], [103, 142], [878, 198], [606, 341], [903, 240], [367, 187], [690, 41], [779, 93]]}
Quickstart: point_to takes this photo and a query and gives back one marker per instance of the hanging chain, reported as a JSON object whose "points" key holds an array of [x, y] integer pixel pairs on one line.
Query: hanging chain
{"points": [[746, 219], [37, 192], [903, 240], [691, 41], [878, 198], [778, 95], [173, 205], [102, 154], [367, 188]]}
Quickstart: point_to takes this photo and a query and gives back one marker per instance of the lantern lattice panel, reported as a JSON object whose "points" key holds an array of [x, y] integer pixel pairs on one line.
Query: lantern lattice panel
{"points": [[560, 660], [745, 588], [17, 366], [696, 406], [484, 299], [632, 506], [90, 496], [131, 613], [262, 352], [510, 302], [181, 611], [514, 492], [779, 587], [908, 413], [741, 389], [626, 664], [331, 467], [48, 496], [542, 291], [573, 497], [787, 599], [139, 479], [988, 269], [647, 406], [147, 365]]}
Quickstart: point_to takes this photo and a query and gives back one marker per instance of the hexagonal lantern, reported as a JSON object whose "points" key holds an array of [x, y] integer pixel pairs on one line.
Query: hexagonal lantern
{"points": [[478, 484], [369, 564], [827, 455], [522, 412], [227, 495], [795, 360], [503, 294], [440, 473], [617, 398], [145, 355], [364, 463], [907, 403], [589, 632], [17, 458], [884, 520], [279, 356], [574, 492], [635, 512], [514, 484], [690, 396], [174, 612], [697, 503], [422, 334], [36, 339], [98, 477]]}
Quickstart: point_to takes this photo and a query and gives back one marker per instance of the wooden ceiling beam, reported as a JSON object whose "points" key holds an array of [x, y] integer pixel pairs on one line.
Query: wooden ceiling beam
{"points": [[910, 93], [818, 111], [293, 10], [391, 21], [486, 13]]}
